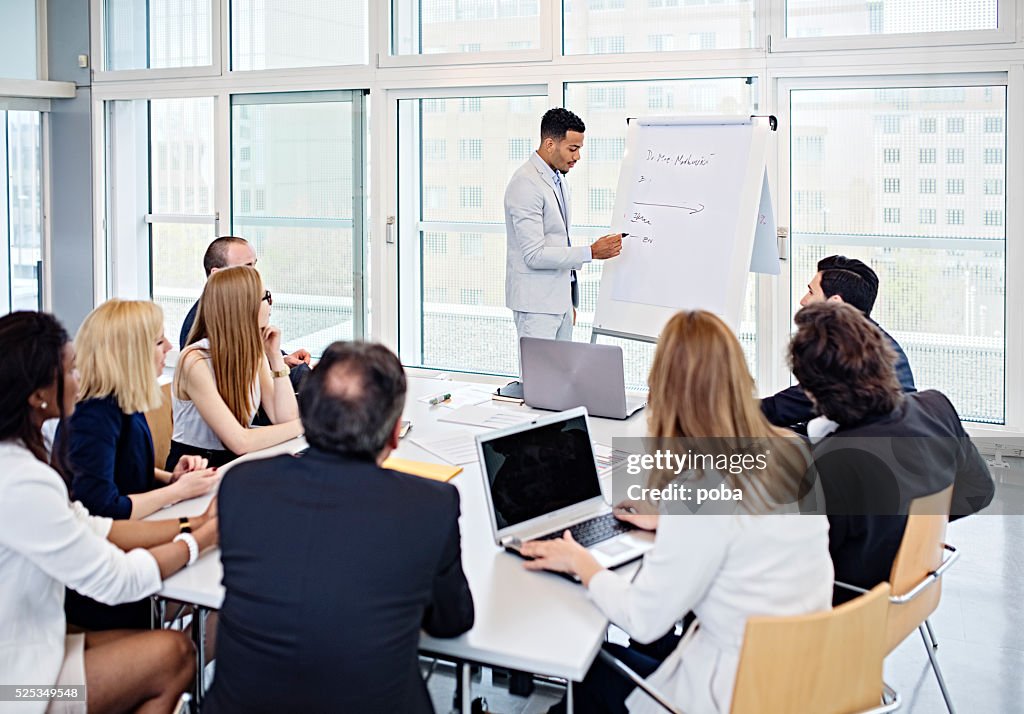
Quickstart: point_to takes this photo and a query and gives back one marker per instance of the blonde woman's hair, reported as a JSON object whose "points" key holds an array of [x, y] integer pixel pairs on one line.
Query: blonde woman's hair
{"points": [[701, 389], [228, 317], [115, 354]]}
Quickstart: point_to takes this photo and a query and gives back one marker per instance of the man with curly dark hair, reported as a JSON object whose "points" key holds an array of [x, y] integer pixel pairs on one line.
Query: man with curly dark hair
{"points": [[889, 448]]}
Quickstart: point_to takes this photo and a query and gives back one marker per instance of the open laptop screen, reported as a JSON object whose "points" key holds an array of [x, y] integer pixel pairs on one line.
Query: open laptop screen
{"points": [[540, 470]]}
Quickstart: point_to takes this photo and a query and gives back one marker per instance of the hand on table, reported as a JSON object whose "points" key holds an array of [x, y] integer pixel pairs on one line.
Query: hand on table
{"points": [[194, 483], [187, 463]]}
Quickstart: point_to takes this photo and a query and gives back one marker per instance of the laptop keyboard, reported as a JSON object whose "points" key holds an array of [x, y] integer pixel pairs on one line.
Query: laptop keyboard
{"points": [[594, 530]]}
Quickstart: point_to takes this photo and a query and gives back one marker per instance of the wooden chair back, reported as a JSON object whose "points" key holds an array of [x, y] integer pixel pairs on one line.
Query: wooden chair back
{"points": [[920, 554], [824, 663], [161, 426]]}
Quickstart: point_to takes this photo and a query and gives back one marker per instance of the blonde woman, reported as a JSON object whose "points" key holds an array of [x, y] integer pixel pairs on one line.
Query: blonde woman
{"points": [[105, 448], [109, 449], [725, 568], [232, 365]]}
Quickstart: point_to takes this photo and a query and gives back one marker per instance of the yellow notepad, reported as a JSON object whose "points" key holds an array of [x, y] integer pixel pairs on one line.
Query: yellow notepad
{"points": [[437, 472]]}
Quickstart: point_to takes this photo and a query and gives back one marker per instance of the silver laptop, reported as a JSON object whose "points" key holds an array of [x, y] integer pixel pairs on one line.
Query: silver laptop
{"points": [[540, 478], [558, 374]]}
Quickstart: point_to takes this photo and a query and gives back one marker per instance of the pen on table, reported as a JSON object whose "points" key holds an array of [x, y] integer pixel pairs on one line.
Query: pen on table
{"points": [[434, 401], [625, 234]]}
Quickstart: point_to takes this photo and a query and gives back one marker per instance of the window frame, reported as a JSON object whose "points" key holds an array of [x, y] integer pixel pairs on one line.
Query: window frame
{"points": [[407, 324], [385, 58], [1013, 80], [98, 60], [356, 99], [1004, 33]]}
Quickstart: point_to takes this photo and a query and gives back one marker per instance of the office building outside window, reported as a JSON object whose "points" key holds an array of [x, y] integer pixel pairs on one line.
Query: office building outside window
{"points": [[944, 301]]}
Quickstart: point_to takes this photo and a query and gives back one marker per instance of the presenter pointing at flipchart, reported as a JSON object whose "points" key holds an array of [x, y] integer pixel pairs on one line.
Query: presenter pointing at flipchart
{"points": [[540, 270]]}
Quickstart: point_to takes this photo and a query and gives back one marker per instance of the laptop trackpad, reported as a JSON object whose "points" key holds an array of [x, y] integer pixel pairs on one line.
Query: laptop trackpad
{"points": [[613, 548]]}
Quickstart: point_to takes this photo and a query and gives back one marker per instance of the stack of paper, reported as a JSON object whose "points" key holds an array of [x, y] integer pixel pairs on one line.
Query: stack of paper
{"points": [[458, 449], [488, 417]]}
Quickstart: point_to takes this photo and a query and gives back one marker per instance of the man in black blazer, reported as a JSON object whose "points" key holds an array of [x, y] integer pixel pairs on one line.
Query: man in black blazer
{"points": [[839, 279], [332, 565], [889, 448]]}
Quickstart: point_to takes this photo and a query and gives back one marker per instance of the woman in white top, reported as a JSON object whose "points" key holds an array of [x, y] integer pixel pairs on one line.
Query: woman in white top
{"points": [[47, 543], [231, 366], [725, 568]]}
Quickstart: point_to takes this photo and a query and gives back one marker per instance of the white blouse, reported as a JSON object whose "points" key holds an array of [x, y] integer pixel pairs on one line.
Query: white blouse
{"points": [[47, 543], [726, 568]]}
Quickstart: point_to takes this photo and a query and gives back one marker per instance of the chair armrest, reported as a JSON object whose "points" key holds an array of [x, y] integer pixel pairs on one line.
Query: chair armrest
{"points": [[639, 681], [930, 578]]}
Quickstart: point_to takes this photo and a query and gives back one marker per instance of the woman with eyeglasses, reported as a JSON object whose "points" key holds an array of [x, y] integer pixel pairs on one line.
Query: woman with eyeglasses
{"points": [[231, 367]]}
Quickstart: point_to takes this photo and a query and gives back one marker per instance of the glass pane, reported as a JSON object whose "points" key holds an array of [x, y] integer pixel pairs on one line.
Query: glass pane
{"points": [[181, 181], [435, 26], [18, 40], [292, 198], [922, 200], [157, 34], [616, 26], [460, 303], [603, 106], [25, 207], [277, 34], [828, 18], [177, 272]]}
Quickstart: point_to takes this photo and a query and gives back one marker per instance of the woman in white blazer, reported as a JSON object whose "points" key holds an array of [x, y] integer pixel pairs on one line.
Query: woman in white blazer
{"points": [[47, 543], [750, 561]]}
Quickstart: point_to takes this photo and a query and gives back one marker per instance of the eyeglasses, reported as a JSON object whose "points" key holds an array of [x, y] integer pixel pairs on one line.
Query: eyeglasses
{"points": [[268, 297]]}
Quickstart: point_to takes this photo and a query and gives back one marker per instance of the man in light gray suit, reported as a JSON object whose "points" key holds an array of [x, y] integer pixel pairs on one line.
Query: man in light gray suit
{"points": [[540, 269]]}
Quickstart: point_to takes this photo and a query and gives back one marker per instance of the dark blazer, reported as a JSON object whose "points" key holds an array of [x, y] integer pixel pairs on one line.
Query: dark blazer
{"points": [[109, 455], [791, 406], [187, 325], [332, 566], [871, 471], [106, 454]]}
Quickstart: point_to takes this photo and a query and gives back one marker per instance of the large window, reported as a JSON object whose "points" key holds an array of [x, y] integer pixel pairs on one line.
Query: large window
{"points": [[157, 34], [940, 255], [603, 107], [617, 26], [277, 34], [161, 217], [21, 211], [452, 249], [297, 196], [827, 18], [429, 27]]}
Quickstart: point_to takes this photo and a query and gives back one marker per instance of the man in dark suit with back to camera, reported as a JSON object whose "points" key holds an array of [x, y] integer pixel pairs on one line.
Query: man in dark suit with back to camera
{"points": [[839, 279], [332, 565]]}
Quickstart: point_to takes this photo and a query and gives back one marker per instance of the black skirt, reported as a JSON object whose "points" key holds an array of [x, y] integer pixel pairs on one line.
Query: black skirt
{"points": [[215, 457]]}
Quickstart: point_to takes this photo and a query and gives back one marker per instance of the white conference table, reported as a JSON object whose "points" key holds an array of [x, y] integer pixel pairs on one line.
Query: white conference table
{"points": [[533, 622]]}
